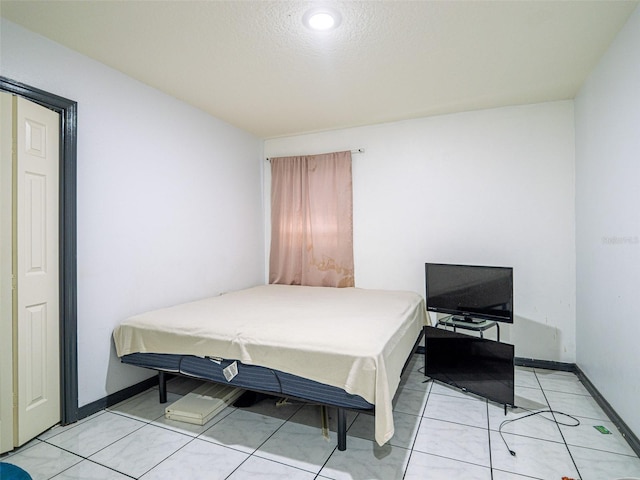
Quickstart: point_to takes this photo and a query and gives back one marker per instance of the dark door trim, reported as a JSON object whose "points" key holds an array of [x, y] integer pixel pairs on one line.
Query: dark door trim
{"points": [[68, 110]]}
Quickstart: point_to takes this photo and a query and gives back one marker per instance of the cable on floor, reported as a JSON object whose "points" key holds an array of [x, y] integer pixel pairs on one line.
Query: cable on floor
{"points": [[554, 419]]}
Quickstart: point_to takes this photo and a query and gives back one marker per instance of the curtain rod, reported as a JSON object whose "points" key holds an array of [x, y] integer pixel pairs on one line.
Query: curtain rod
{"points": [[354, 151]]}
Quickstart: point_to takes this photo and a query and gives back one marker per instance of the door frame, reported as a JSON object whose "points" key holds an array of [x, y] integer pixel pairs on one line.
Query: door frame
{"points": [[68, 110]]}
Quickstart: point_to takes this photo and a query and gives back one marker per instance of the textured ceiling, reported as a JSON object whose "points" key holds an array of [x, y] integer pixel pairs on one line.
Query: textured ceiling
{"points": [[253, 64]]}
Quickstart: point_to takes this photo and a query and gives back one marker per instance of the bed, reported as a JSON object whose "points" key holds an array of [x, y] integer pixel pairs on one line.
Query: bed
{"points": [[342, 347]]}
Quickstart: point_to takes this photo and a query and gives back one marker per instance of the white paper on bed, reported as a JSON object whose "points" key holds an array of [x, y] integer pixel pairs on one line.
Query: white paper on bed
{"points": [[351, 338]]}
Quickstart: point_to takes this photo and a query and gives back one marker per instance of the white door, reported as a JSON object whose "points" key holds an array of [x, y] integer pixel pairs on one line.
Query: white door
{"points": [[6, 282], [36, 382]]}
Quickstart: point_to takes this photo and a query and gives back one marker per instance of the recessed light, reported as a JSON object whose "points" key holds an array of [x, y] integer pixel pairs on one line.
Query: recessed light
{"points": [[321, 18]]}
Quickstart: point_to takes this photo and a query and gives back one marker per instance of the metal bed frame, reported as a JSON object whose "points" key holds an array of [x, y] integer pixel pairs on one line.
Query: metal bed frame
{"points": [[165, 373]]}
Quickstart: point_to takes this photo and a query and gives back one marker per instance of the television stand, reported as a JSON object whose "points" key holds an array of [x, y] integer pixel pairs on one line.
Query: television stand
{"points": [[480, 326]]}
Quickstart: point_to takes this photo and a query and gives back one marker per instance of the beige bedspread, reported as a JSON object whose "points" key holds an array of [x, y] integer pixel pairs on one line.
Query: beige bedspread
{"points": [[351, 338]]}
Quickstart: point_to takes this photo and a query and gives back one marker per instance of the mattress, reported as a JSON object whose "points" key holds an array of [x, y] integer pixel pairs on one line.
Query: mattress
{"points": [[350, 338]]}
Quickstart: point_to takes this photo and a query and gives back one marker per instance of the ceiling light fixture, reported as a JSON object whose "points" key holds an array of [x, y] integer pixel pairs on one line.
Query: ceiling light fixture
{"points": [[321, 19]]}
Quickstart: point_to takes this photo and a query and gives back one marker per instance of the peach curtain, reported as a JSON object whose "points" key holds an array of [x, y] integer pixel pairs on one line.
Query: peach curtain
{"points": [[312, 220]]}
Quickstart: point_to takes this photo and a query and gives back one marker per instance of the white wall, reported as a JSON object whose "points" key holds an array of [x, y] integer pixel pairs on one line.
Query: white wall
{"points": [[493, 187], [608, 224], [169, 199]]}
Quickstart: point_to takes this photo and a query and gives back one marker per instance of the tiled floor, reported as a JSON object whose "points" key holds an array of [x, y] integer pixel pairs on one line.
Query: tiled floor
{"points": [[441, 433]]}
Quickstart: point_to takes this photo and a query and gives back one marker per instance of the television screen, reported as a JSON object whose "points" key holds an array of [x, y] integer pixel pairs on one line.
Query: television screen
{"points": [[473, 364], [470, 291]]}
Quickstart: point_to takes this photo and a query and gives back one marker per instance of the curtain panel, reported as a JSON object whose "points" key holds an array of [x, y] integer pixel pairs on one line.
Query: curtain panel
{"points": [[312, 220]]}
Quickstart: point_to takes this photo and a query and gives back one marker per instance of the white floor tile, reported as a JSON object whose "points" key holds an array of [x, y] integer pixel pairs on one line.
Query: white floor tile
{"points": [[139, 452], [530, 398], [364, 459], [444, 389], [521, 422], [598, 465], [542, 372], [87, 470], [145, 406], [451, 391], [243, 430], [89, 437], [526, 378], [276, 408], [468, 411], [534, 457], [411, 401], [500, 475], [311, 416], [453, 440], [198, 460], [413, 377], [43, 461], [57, 429], [405, 426], [431, 467], [576, 405], [561, 382], [256, 468], [300, 446], [585, 435]]}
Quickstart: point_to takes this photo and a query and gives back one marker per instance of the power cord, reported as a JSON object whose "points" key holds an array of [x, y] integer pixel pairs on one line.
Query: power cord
{"points": [[554, 419]]}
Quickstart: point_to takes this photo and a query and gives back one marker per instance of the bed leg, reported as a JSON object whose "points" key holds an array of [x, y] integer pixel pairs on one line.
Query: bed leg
{"points": [[342, 429], [162, 386]]}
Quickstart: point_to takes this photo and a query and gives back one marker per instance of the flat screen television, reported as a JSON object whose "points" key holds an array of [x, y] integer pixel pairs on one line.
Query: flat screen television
{"points": [[470, 292], [477, 365]]}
